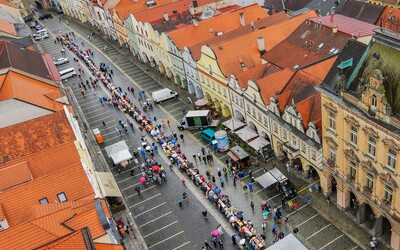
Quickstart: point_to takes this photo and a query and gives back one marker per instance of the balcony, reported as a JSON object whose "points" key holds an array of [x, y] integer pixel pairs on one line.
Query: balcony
{"points": [[292, 152]]}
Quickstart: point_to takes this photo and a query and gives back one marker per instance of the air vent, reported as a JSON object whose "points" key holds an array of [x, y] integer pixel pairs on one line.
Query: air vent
{"points": [[242, 64], [336, 51], [321, 45], [332, 50], [5, 159], [296, 66], [151, 3], [220, 47]]}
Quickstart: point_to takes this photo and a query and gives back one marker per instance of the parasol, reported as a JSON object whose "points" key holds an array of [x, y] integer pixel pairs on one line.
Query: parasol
{"points": [[264, 203], [214, 233], [265, 213], [142, 180], [242, 241], [201, 102], [155, 168]]}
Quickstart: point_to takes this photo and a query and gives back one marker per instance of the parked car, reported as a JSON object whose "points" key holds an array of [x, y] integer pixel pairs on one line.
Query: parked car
{"points": [[45, 16], [38, 27], [41, 37], [28, 19], [61, 61], [60, 11], [163, 95]]}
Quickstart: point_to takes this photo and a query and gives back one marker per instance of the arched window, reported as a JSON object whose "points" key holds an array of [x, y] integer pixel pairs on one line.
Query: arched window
{"points": [[374, 101]]}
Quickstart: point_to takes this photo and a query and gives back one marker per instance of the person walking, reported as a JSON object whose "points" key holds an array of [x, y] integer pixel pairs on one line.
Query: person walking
{"points": [[250, 174], [250, 187], [104, 123], [137, 189], [181, 136], [198, 155], [252, 205], [283, 200], [118, 131], [203, 150], [222, 182], [221, 244], [328, 199], [205, 160], [207, 245], [308, 199], [204, 213]]}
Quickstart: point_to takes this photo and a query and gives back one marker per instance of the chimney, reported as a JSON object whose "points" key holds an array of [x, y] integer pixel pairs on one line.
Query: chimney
{"points": [[334, 29], [166, 17], [195, 21], [191, 9], [241, 14], [261, 45], [195, 5], [252, 26]]}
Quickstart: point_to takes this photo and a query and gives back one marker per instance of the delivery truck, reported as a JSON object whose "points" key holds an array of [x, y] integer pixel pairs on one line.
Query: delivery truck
{"points": [[197, 119]]}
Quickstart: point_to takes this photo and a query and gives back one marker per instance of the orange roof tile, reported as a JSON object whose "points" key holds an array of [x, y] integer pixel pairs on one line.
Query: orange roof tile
{"points": [[9, 178], [105, 246], [26, 89], [75, 241], [255, 73], [72, 181], [105, 209], [259, 24], [390, 19], [157, 12], [320, 69], [244, 49], [273, 83], [48, 161], [88, 219], [125, 7], [32, 136], [8, 3], [1, 213], [228, 21], [53, 222], [310, 109], [79, 206], [7, 27]]}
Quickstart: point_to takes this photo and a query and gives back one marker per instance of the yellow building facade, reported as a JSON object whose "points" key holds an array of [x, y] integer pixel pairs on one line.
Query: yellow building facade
{"points": [[361, 138]]}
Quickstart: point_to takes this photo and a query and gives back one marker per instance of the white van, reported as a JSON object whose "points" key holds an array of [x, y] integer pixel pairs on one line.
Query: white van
{"points": [[163, 94], [41, 32], [67, 73]]}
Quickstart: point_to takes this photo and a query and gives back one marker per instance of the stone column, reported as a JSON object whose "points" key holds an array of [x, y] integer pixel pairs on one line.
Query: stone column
{"points": [[361, 214], [378, 225], [343, 197]]}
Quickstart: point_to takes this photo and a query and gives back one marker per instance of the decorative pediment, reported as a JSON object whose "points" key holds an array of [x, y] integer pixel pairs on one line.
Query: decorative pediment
{"points": [[349, 154], [370, 131], [367, 165], [330, 107], [351, 120], [388, 179], [376, 82], [331, 141], [391, 144]]}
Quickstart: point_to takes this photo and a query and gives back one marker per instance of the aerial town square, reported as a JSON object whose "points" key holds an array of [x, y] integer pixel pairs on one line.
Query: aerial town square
{"points": [[199, 124]]}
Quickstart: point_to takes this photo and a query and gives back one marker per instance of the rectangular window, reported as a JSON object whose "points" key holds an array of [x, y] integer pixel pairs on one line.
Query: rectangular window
{"points": [[352, 170], [266, 121], [294, 141], [370, 182], [275, 128], [44, 201], [219, 88], [353, 135], [331, 122], [332, 154], [259, 117], [313, 155], [388, 194], [224, 92], [62, 197], [371, 146], [391, 158], [254, 112], [208, 82], [303, 147], [284, 134], [213, 85]]}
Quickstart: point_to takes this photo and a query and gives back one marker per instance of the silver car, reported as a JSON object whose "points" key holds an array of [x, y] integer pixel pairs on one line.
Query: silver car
{"points": [[41, 37], [61, 61]]}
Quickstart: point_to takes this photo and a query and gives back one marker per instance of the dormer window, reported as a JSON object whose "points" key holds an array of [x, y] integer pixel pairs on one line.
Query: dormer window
{"points": [[374, 101], [44, 201]]}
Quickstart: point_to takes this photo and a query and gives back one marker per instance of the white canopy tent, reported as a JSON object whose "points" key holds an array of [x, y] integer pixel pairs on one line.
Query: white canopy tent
{"points": [[289, 242], [258, 143], [266, 180], [234, 124], [246, 133], [118, 152]]}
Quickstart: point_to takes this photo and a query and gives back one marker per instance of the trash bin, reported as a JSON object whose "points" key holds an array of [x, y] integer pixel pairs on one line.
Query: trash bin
{"points": [[97, 134]]}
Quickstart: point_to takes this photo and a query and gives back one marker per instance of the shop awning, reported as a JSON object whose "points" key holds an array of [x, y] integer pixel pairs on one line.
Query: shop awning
{"points": [[234, 124], [289, 242], [107, 184], [266, 180], [233, 156], [118, 152], [258, 143], [246, 133]]}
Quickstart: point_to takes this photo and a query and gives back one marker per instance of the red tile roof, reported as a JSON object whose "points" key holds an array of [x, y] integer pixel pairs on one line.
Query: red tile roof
{"points": [[29, 90], [35, 135], [1, 213], [256, 73], [305, 46], [9, 178], [75, 241], [8, 3], [320, 69], [347, 25], [191, 35], [390, 19], [273, 83], [72, 181], [7, 27], [88, 219], [51, 67], [125, 7], [310, 109], [243, 49], [105, 246]]}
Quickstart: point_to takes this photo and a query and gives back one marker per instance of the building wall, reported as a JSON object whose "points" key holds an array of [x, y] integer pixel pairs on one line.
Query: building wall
{"points": [[120, 30], [177, 65], [131, 35]]}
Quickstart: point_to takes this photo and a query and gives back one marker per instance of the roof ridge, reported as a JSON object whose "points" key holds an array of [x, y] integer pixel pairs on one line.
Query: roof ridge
{"points": [[38, 226]]}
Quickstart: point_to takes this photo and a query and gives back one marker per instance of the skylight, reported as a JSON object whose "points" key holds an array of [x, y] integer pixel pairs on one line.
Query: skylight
{"points": [[321, 45]]}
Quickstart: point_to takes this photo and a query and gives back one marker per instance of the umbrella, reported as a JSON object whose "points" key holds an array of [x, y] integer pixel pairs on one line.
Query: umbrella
{"points": [[218, 169], [242, 241], [264, 203], [273, 227], [173, 141], [214, 233], [265, 213], [232, 219], [142, 180], [201, 102], [155, 168], [148, 148], [175, 155]]}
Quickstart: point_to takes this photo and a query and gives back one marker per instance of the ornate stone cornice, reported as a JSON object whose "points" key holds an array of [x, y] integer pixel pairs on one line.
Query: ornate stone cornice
{"points": [[370, 131], [367, 165], [351, 120], [388, 179], [349, 154], [330, 107], [391, 144], [331, 141]]}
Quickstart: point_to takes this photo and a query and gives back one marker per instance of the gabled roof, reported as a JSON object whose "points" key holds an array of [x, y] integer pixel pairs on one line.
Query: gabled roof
{"points": [[9, 177], [35, 135], [306, 45], [324, 7], [29, 90], [8, 3], [105, 246], [11, 55], [390, 19], [72, 182], [273, 83], [157, 12], [295, 5], [320, 69], [310, 109], [191, 35], [87, 219], [256, 73], [125, 7], [74, 241], [259, 24], [347, 25], [175, 22], [7, 27], [234, 53], [362, 10]]}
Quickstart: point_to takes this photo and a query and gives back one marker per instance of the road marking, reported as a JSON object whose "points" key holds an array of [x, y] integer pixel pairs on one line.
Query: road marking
{"points": [[180, 108], [260, 190], [253, 173], [134, 205], [297, 210], [184, 244], [307, 220], [312, 184], [172, 104], [129, 178], [273, 197], [118, 136], [331, 242], [318, 231], [354, 247], [158, 230], [134, 185], [162, 204], [144, 190], [170, 237], [159, 217]]}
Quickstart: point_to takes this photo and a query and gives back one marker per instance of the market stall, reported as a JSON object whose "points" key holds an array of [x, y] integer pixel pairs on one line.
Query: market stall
{"points": [[259, 143], [110, 191], [289, 242], [234, 124], [119, 153], [239, 157], [246, 134]]}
